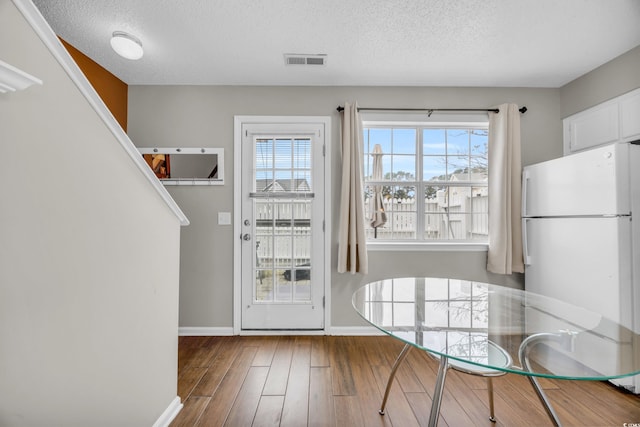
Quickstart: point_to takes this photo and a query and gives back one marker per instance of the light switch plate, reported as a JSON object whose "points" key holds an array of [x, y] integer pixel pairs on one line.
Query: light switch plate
{"points": [[224, 218]]}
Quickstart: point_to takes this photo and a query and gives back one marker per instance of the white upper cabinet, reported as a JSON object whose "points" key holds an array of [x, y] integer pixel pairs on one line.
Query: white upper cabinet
{"points": [[630, 116], [617, 120], [590, 128]]}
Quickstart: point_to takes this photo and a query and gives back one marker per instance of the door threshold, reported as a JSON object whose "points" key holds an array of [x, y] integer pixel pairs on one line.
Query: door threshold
{"points": [[272, 332]]}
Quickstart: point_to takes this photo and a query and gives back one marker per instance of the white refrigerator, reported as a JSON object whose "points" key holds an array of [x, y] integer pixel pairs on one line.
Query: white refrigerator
{"points": [[580, 241]]}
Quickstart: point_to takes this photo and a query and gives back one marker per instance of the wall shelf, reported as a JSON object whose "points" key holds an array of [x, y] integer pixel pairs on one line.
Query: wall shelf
{"points": [[186, 166], [13, 79]]}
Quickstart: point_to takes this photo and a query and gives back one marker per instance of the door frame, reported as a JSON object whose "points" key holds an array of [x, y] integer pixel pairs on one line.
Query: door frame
{"points": [[238, 122]]}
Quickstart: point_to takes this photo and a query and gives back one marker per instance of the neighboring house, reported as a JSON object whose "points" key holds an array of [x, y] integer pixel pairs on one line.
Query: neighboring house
{"points": [[288, 185], [453, 196], [473, 177], [466, 209]]}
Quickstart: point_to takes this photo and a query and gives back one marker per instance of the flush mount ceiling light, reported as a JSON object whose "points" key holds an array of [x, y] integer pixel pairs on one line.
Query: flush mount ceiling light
{"points": [[126, 45]]}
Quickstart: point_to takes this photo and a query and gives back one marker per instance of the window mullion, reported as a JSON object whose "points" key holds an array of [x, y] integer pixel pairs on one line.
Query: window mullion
{"points": [[420, 226]]}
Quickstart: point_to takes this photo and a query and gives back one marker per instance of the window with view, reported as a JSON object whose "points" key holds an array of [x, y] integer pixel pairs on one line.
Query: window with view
{"points": [[426, 183]]}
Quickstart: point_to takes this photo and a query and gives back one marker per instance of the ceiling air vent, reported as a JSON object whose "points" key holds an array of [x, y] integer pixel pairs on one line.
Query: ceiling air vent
{"points": [[301, 59]]}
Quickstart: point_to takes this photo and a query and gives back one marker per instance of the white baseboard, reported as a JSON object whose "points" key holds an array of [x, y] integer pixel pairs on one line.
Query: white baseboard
{"points": [[169, 414], [355, 330], [198, 331]]}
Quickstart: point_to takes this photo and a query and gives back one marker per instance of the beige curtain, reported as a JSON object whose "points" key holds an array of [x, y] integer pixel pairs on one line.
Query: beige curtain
{"points": [[352, 247], [505, 192]]}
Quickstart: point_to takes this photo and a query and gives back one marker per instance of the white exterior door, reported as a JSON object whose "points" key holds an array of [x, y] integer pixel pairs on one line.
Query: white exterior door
{"points": [[282, 226]]}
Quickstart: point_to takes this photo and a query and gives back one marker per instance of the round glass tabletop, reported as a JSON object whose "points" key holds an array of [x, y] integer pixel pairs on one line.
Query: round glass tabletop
{"points": [[490, 327]]}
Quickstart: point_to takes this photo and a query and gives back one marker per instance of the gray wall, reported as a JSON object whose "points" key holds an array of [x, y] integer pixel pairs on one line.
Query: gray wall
{"points": [[193, 116], [612, 79], [89, 257]]}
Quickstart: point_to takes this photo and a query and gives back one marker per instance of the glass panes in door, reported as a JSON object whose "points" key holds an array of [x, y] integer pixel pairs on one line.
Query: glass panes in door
{"points": [[282, 205]]}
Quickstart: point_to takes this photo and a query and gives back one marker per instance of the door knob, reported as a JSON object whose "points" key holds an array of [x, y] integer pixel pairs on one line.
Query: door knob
{"points": [[246, 237]]}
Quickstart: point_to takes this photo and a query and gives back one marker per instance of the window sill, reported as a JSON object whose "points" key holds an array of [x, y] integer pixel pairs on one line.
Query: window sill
{"points": [[426, 247]]}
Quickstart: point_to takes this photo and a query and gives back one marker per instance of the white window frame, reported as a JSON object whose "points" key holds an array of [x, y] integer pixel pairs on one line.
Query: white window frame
{"points": [[438, 121]]}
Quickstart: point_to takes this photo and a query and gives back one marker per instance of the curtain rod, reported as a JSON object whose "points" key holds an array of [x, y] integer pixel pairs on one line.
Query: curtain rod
{"points": [[431, 110]]}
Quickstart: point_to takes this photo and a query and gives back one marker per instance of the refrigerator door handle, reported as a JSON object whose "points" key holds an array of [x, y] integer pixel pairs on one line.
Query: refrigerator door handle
{"points": [[525, 185], [525, 245]]}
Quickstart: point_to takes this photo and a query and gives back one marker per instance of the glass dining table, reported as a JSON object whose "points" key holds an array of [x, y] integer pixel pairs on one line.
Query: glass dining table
{"points": [[490, 330]]}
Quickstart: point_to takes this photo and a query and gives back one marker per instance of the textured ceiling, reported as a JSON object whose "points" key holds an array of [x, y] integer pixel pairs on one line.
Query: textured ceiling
{"points": [[529, 43]]}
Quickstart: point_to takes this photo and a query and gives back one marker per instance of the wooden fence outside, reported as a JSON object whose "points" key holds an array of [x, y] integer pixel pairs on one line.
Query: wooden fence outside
{"points": [[465, 218], [283, 232]]}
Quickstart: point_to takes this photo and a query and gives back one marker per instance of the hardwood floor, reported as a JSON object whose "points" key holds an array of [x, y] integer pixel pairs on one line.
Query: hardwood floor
{"points": [[339, 381]]}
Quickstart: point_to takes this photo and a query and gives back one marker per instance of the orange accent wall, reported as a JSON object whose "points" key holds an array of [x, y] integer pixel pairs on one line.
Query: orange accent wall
{"points": [[112, 90]]}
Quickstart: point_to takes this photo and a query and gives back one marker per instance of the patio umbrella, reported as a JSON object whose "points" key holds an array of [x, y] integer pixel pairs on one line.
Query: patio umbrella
{"points": [[378, 216]]}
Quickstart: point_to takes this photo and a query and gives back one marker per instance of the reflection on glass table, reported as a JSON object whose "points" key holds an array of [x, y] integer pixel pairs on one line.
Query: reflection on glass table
{"points": [[491, 330]]}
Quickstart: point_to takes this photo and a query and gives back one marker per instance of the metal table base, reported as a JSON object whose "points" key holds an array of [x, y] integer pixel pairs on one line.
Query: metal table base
{"points": [[443, 367]]}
